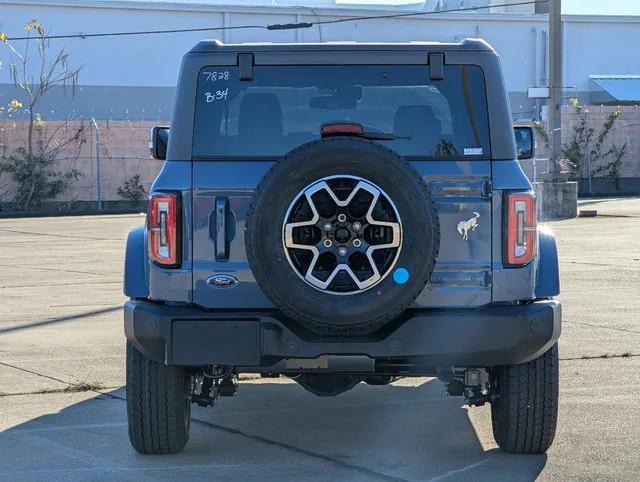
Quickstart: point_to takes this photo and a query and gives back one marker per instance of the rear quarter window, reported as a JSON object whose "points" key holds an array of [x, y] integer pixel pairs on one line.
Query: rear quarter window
{"points": [[283, 107]]}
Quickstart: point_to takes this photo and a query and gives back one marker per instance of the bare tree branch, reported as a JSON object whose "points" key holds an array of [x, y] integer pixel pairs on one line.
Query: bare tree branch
{"points": [[31, 166]]}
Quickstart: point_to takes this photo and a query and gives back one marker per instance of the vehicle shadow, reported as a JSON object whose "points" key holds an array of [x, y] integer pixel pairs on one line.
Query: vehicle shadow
{"points": [[275, 430]]}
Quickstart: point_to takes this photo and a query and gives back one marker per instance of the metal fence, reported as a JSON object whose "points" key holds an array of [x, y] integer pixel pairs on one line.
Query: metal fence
{"points": [[106, 156], [114, 153]]}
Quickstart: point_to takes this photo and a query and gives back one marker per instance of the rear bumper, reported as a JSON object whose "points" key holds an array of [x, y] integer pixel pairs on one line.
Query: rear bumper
{"points": [[495, 335]]}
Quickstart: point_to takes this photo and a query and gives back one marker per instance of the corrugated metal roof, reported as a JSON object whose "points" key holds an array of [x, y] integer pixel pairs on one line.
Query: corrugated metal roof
{"points": [[624, 88]]}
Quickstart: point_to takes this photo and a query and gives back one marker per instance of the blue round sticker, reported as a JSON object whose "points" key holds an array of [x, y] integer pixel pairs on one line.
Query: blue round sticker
{"points": [[401, 276]]}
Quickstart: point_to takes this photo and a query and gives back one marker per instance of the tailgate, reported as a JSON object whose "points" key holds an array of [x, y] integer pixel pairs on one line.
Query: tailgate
{"points": [[222, 192]]}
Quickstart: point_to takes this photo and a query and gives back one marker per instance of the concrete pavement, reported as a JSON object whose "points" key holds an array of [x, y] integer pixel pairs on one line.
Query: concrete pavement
{"points": [[61, 325]]}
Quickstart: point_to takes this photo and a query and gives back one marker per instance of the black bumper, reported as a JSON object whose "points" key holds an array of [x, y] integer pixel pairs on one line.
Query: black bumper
{"points": [[495, 335]]}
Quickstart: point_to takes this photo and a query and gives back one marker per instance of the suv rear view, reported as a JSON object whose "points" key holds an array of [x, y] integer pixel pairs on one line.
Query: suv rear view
{"points": [[341, 214]]}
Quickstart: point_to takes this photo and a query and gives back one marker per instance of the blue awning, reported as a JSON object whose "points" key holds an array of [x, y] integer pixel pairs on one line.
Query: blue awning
{"points": [[623, 88]]}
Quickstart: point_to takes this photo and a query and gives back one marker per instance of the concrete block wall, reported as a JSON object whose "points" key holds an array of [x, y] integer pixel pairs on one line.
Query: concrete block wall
{"points": [[626, 130], [123, 154]]}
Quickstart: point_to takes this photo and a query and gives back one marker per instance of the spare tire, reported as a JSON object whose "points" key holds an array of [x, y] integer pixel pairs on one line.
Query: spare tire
{"points": [[342, 235]]}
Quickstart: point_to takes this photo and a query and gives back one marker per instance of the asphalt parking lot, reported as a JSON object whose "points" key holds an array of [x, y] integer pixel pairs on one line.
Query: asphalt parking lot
{"points": [[62, 408]]}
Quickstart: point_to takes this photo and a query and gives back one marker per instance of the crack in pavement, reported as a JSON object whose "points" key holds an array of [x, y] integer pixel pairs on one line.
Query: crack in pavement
{"points": [[69, 236], [79, 283], [50, 391], [60, 319], [68, 383], [299, 450], [586, 263], [602, 357], [57, 270], [26, 370], [602, 326]]}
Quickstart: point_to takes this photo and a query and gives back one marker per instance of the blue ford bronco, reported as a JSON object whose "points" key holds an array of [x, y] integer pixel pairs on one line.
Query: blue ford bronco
{"points": [[341, 213]]}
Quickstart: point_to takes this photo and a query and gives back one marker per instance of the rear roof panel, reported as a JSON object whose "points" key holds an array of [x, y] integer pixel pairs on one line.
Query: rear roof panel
{"points": [[466, 45]]}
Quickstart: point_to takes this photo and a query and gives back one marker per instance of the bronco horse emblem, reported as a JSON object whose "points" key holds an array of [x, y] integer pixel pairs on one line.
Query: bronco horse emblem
{"points": [[470, 224]]}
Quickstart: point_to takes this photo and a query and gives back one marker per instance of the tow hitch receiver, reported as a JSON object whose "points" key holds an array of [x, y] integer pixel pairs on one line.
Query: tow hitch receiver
{"points": [[472, 383], [211, 383]]}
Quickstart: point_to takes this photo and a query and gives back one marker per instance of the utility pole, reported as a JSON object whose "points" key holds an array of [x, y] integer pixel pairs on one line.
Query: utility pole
{"points": [[95, 125], [557, 197], [555, 84]]}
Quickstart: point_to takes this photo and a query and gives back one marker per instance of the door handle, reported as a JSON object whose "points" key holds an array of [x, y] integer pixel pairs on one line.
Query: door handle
{"points": [[221, 242]]}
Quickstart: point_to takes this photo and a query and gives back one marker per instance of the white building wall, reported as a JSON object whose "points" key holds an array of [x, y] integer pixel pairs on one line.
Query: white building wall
{"points": [[596, 45], [154, 59]]}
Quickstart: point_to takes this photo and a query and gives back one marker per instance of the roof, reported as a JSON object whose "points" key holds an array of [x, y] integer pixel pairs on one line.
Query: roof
{"points": [[623, 88], [463, 45]]}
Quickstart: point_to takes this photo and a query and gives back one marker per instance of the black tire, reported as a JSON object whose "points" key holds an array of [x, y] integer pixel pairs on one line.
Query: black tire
{"points": [[327, 313], [525, 415], [158, 407]]}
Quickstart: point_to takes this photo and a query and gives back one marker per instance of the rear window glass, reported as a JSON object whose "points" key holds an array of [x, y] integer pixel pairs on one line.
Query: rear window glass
{"points": [[283, 107]]}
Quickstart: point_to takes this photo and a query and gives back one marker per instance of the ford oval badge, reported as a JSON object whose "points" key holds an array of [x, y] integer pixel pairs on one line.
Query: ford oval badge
{"points": [[222, 281]]}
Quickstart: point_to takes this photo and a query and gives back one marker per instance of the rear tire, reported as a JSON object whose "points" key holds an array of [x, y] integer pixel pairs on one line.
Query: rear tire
{"points": [[524, 417], [158, 407]]}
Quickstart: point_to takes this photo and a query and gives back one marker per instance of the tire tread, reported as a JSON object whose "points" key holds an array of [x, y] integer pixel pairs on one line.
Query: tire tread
{"points": [[524, 417], [155, 405]]}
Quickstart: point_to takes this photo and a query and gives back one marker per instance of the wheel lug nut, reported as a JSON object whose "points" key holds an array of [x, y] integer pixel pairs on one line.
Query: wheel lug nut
{"points": [[342, 251], [342, 218], [357, 243], [327, 226], [327, 243], [357, 226]]}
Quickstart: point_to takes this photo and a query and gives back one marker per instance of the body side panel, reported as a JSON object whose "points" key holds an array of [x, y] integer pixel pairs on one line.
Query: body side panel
{"points": [[136, 265], [548, 275]]}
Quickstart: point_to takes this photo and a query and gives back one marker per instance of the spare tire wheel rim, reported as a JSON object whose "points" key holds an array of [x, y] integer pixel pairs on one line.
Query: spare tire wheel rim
{"points": [[342, 234]]}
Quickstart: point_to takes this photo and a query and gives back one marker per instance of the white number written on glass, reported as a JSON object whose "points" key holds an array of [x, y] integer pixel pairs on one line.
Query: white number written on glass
{"points": [[214, 76], [217, 95]]}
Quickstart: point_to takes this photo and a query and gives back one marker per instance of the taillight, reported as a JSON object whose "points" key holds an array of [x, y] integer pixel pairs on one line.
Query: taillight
{"points": [[163, 229], [522, 233]]}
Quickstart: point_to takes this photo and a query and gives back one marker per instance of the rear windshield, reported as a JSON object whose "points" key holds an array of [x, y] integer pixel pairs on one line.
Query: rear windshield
{"points": [[283, 107]]}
